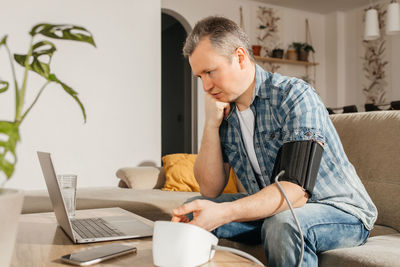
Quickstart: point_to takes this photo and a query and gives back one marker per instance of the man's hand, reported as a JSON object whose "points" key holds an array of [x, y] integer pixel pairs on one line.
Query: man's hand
{"points": [[206, 214], [215, 111]]}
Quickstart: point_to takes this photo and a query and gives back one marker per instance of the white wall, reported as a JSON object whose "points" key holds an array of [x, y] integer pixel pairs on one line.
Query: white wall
{"points": [[118, 82], [336, 56], [395, 67], [355, 80], [331, 59], [292, 28], [354, 53]]}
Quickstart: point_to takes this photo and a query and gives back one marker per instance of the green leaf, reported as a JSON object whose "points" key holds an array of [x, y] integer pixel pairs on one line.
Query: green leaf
{"points": [[64, 32], [9, 129], [45, 49], [42, 49], [3, 40], [3, 86], [71, 92]]}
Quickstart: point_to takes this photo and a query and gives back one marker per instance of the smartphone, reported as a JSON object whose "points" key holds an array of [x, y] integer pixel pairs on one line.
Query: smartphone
{"points": [[97, 254]]}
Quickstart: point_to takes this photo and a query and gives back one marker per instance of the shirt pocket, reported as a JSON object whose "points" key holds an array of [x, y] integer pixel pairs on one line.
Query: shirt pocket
{"points": [[271, 135], [270, 142]]}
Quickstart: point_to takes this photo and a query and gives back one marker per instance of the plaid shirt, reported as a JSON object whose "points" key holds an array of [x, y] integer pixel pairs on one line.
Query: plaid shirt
{"points": [[288, 109]]}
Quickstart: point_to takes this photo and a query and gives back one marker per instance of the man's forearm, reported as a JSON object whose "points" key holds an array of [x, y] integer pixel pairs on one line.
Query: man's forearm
{"points": [[266, 202], [208, 168]]}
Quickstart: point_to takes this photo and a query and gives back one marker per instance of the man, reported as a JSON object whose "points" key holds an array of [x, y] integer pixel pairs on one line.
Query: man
{"points": [[250, 114]]}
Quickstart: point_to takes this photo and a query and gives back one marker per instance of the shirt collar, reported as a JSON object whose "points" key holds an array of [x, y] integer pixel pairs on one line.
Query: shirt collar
{"points": [[260, 87]]}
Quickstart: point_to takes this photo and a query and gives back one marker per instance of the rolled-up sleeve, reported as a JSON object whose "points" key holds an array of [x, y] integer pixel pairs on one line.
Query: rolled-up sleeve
{"points": [[304, 114]]}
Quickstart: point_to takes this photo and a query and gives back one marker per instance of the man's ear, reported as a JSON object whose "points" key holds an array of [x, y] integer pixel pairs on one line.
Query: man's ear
{"points": [[241, 55]]}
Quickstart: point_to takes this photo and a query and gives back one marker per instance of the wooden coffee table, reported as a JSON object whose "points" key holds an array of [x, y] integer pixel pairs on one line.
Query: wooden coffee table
{"points": [[41, 242]]}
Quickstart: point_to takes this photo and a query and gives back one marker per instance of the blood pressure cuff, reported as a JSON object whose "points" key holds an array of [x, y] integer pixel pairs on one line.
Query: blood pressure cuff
{"points": [[300, 160]]}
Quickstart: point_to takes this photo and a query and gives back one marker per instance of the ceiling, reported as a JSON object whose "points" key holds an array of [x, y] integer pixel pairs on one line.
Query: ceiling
{"points": [[320, 6]]}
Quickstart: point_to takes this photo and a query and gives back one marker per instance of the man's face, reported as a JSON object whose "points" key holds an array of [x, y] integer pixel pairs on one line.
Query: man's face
{"points": [[221, 78]]}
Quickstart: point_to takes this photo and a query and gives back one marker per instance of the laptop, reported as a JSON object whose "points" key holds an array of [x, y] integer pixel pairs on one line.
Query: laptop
{"points": [[89, 229]]}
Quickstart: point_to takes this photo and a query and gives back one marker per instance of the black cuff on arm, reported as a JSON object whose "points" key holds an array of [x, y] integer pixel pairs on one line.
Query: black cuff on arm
{"points": [[300, 160]]}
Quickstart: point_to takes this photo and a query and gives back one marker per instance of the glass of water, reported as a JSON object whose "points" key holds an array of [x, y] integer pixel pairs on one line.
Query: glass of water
{"points": [[67, 184]]}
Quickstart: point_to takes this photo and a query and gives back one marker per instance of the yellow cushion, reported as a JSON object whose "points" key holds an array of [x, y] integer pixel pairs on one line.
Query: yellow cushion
{"points": [[179, 176]]}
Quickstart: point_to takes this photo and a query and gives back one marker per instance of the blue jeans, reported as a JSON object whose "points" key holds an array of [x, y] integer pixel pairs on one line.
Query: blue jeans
{"points": [[324, 227]]}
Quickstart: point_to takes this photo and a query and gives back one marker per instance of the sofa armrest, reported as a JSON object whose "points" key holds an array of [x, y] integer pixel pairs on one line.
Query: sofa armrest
{"points": [[141, 177]]}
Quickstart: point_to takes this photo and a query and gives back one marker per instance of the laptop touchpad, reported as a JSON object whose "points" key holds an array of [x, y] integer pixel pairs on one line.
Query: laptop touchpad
{"points": [[129, 225]]}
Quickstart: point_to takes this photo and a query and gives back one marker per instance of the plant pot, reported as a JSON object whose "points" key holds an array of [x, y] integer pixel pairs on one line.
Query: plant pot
{"points": [[277, 53], [291, 54], [256, 50], [303, 55], [10, 209]]}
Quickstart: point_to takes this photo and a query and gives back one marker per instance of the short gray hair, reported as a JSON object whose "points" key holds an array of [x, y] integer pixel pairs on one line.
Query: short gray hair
{"points": [[225, 35]]}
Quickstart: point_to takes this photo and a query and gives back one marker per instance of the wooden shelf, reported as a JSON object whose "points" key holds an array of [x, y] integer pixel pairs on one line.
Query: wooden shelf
{"points": [[285, 61]]}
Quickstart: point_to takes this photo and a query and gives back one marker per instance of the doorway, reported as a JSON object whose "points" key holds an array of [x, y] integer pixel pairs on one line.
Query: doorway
{"points": [[179, 93]]}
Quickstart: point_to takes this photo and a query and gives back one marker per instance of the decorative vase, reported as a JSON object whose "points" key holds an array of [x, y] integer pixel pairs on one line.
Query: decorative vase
{"points": [[291, 54], [303, 55], [10, 208], [256, 50]]}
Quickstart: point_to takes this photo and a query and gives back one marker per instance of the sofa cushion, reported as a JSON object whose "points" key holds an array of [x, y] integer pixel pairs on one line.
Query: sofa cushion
{"points": [[371, 141], [179, 174], [153, 204], [382, 230], [144, 177], [377, 251]]}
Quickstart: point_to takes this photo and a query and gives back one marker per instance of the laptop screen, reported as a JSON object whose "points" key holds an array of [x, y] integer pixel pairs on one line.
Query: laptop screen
{"points": [[55, 192]]}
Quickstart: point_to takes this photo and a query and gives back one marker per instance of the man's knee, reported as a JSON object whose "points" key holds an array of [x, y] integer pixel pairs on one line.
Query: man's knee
{"points": [[279, 228], [281, 239]]}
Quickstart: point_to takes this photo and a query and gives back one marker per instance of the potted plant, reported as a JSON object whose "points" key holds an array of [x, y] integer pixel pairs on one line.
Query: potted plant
{"points": [[256, 50], [303, 50], [277, 53], [33, 61]]}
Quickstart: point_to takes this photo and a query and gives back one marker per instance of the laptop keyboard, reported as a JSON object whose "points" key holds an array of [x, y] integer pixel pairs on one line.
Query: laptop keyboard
{"points": [[94, 227]]}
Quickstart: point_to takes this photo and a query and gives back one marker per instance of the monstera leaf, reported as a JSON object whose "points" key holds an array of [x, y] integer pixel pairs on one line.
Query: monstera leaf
{"points": [[42, 51], [8, 157], [3, 86], [3, 40], [63, 31], [38, 60], [70, 91]]}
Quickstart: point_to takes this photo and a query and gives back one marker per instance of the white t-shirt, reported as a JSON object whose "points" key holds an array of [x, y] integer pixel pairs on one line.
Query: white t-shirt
{"points": [[246, 120]]}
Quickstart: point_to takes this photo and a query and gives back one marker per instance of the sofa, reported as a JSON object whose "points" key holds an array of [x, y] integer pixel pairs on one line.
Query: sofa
{"points": [[372, 143]]}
